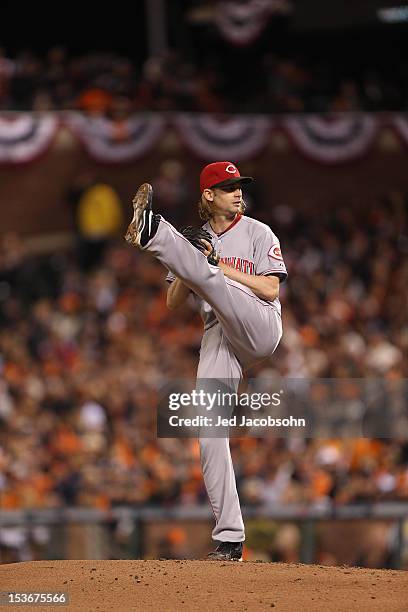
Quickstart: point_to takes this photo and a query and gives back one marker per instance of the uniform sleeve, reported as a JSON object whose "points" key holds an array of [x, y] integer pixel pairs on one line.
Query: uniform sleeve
{"points": [[170, 278], [268, 257]]}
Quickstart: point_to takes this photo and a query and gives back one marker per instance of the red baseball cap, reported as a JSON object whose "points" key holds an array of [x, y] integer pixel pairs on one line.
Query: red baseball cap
{"points": [[221, 174]]}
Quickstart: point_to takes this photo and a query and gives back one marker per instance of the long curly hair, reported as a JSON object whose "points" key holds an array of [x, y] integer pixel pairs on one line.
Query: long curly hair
{"points": [[205, 211]]}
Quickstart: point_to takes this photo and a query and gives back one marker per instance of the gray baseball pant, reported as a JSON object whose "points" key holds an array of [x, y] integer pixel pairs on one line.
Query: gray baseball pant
{"points": [[248, 330]]}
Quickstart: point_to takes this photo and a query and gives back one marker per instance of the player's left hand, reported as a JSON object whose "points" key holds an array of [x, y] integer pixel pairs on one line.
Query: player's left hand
{"points": [[197, 235], [201, 239]]}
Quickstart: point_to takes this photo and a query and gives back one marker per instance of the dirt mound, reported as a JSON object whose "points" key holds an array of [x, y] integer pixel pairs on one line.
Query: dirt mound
{"points": [[104, 586]]}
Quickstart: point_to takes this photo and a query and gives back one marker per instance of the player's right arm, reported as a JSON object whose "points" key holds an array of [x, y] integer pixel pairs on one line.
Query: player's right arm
{"points": [[177, 294]]}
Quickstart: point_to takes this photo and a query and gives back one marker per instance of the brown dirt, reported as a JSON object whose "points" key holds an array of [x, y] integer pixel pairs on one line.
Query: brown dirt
{"points": [[104, 586]]}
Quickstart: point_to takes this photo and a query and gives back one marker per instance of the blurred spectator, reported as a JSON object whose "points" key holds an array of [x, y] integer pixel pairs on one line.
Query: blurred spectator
{"points": [[97, 82], [7, 67], [95, 101], [173, 545], [97, 215]]}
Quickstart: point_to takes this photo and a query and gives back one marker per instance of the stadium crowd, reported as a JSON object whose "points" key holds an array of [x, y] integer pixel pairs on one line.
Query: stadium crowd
{"points": [[84, 352], [106, 83]]}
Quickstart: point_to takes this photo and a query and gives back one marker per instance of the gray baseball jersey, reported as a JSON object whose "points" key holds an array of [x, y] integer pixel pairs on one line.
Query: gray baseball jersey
{"points": [[249, 246]]}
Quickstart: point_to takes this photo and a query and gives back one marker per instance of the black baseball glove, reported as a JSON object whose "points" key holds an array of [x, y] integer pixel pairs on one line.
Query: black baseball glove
{"points": [[195, 235]]}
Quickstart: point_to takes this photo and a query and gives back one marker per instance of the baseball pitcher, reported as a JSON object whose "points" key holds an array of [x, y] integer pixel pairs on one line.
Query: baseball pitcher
{"points": [[233, 266]]}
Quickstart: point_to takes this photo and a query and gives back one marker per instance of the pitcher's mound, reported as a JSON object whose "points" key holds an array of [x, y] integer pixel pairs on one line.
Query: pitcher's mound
{"points": [[165, 586]]}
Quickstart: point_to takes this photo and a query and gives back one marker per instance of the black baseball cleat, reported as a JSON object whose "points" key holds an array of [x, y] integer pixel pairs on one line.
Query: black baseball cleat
{"points": [[144, 224], [227, 551]]}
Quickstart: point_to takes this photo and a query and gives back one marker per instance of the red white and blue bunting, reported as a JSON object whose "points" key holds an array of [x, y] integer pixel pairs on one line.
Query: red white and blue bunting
{"points": [[116, 142], [400, 124], [332, 140], [24, 137], [238, 137], [241, 23]]}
